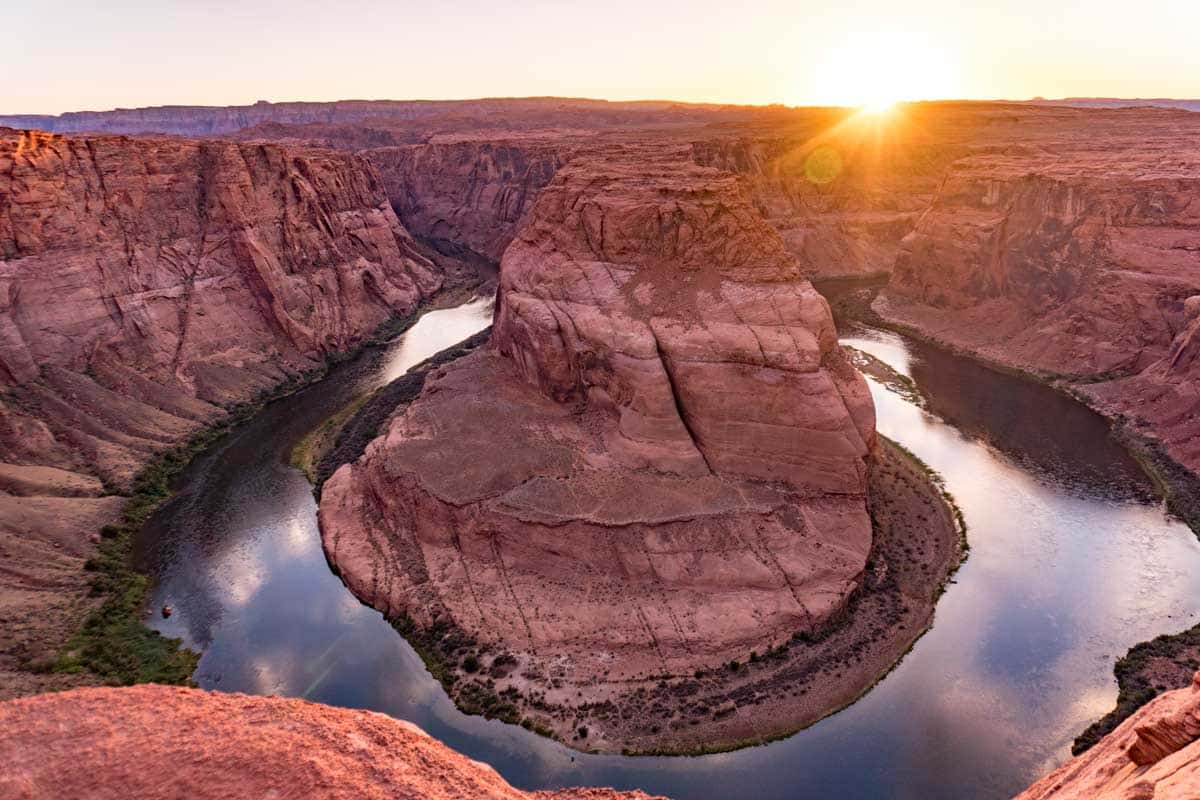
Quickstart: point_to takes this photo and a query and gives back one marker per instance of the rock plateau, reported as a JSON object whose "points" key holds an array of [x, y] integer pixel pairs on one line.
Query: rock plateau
{"points": [[658, 467]]}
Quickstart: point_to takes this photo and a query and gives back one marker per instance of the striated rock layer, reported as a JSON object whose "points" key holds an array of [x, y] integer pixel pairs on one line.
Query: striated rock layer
{"points": [[658, 466], [468, 192], [1153, 755], [156, 742], [145, 286], [1078, 260]]}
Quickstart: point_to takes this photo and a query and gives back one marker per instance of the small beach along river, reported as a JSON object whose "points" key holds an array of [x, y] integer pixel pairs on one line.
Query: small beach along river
{"points": [[1072, 561]]}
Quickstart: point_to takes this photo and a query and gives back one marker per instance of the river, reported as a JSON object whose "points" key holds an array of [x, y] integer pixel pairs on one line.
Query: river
{"points": [[1073, 560]]}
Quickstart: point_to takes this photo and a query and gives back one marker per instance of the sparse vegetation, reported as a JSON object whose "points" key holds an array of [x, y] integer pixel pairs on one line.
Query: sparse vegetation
{"points": [[1134, 682], [114, 642]]}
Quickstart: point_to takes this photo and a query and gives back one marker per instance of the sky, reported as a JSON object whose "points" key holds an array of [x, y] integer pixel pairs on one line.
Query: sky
{"points": [[84, 55]]}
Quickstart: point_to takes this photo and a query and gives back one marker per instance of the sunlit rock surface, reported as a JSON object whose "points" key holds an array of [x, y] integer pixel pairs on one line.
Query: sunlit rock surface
{"points": [[161, 743], [1153, 755]]}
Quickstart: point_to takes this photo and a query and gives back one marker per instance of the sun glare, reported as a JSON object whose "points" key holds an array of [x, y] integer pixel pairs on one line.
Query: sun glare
{"points": [[877, 69], [879, 106]]}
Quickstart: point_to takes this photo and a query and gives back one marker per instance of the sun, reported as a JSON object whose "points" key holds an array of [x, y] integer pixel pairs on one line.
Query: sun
{"points": [[879, 105], [876, 69]]}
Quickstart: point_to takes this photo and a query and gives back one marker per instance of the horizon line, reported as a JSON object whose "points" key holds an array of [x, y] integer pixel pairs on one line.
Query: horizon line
{"points": [[582, 98]]}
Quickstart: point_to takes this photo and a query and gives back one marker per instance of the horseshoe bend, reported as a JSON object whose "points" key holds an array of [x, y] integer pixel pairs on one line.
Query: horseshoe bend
{"points": [[684, 487], [589, 435]]}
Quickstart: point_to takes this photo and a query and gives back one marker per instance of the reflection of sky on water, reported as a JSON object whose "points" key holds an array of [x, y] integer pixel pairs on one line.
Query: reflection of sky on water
{"points": [[1067, 570], [434, 332]]}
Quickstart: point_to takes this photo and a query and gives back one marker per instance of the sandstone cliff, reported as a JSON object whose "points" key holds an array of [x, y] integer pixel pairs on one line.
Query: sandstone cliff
{"points": [[1073, 259], [147, 285], [155, 742], [469, 193], [683, 475], [1153, 755], [847, 223]]}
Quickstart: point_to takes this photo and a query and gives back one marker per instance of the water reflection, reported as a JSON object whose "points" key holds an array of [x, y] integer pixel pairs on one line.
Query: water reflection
{"points": [[1040, 428], [434, 332], [1065, 573]]}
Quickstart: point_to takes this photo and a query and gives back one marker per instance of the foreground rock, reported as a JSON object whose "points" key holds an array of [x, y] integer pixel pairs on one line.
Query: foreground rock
{"points": [[657, 471], [1153, 755], [156, 742], [146, 286]]}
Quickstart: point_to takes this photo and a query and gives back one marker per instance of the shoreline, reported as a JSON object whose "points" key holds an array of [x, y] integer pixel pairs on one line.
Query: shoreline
{"points": [[752, 700], [1166, 473], [1140, 673], [111, 642]]}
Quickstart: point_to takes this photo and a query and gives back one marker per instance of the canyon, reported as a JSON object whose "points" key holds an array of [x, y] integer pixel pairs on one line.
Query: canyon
{"points": [[1076, 261], [684, 484], [150, 286], [640, 378]]}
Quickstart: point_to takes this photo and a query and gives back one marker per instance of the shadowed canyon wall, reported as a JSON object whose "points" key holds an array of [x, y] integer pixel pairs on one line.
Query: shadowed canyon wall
{"points": [[468, 193]]}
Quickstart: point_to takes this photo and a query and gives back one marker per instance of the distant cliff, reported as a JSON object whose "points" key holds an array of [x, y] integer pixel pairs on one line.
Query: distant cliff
{"points": [[219, 120]]}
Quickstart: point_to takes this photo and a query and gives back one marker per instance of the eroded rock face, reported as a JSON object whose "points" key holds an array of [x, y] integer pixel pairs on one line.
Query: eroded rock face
{"points": [[1153, 755], [163, 742], [1073, 260], [469, 192], [145, 286], [841, 206], [657, 467]]}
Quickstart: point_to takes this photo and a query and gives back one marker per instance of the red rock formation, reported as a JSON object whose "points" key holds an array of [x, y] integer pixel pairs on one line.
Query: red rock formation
{"points": [[1153, 755], [469, 192], [658, 466], [146, 285], [1072, 259], [847, 223], [153, 742]]}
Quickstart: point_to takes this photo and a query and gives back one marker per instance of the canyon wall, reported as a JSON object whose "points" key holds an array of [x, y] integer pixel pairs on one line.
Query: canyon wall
{"points": [[163, 743], [469, 193], [841, 211], [146, 286], [1075, 260]]}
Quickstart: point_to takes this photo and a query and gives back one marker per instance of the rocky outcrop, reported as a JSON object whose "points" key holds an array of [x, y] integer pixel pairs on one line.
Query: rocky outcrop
{"points": [[145, 287], [469, 193], [658, 466], [156, 742], [1153, 755]]}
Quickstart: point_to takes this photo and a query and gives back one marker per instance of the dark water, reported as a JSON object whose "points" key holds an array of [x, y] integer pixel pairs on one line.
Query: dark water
{"points": [[1072, 561]]}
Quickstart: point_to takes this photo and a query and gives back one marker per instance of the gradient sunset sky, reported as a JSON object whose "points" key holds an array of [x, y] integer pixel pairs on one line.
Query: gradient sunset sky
{"points": [[74, 54]]}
